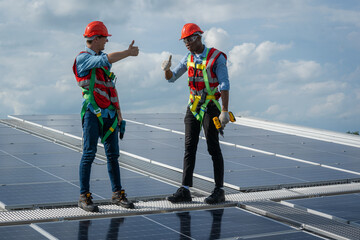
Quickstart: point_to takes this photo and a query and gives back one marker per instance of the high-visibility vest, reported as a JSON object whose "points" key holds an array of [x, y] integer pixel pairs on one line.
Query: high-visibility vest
{"points": [[104, 90], [98, 89], [202, 79]]}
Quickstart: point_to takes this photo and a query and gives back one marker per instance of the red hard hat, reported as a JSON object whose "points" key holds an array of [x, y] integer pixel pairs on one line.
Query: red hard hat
{"points": [[96, 28], [189, 29]]}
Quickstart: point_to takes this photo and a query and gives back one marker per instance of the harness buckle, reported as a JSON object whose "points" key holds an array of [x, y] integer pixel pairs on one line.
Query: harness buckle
{"points": [[97, 112], [112, 76]]}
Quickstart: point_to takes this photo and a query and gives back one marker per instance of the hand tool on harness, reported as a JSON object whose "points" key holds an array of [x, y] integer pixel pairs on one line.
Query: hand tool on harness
{"points": [[122, 129], [89, 98], [218, 124], [198, 102]]}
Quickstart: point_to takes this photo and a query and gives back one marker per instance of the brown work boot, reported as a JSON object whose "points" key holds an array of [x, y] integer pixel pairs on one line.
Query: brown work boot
{"points": [[119, 198], [86, 203]]}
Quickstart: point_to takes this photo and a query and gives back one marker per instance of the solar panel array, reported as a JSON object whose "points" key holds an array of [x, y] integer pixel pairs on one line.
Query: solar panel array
{"points": [[35, 171]]}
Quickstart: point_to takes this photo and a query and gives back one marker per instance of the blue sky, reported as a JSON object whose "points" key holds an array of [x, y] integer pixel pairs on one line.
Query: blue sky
{"points": [[294, 62]]}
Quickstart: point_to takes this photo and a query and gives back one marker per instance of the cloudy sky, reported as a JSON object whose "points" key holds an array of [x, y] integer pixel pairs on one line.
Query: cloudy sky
{"points": [[290, 61]]}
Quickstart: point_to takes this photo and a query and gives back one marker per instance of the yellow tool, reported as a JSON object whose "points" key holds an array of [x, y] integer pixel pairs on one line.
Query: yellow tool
{"points": [[232, 117], [218, 124], [195, 103]]}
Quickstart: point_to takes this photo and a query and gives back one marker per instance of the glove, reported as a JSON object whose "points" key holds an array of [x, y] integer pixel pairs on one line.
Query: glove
{"points": [[224, 118], [122, 129], [166, 64]]}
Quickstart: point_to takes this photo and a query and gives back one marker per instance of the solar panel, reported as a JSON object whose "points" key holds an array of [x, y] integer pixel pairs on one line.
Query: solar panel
{"points": [[21, 232], [40, 170], [26, 195], [343, 206], [245, 165], [209, 224], [255, 159]]}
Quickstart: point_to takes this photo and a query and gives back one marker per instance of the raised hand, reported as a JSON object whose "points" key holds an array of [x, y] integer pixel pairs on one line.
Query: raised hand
{"points": [[133, 50], [166, 64]]}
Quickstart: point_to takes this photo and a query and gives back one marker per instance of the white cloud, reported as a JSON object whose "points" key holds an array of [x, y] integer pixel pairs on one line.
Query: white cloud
{"points": [[300, 70], [217, 38], [357, 93], [43, 55], [239, 57], [279, 53], [347, 16], [283, 90], [318, 88], [274, 109], [329, 105], [220, 11], [266, 49], [142, 86], [247, 56]]}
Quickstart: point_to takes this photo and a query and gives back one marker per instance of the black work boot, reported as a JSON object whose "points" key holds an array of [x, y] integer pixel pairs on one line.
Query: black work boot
{"points": [[181, 195], [119, 198], [217, 196], [86, 203]]}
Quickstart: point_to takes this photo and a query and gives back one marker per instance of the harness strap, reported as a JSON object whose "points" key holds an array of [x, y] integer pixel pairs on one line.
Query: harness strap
{"points": [[111, 130], [211, 93], [89, 98]]}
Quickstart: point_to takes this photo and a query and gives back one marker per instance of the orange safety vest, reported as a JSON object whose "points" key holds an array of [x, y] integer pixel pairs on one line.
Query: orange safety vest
{"points": [[203, 81], [104, 90]]}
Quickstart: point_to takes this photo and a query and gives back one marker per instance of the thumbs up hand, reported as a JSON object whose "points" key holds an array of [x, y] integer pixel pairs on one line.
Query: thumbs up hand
{"points": [[166, 64], [133, 50]]}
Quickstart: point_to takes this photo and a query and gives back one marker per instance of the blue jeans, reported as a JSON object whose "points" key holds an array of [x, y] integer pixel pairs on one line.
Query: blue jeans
{"points": [[91, 134]]}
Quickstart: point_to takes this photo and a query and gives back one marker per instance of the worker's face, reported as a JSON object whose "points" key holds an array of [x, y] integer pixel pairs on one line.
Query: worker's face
{"points": [[101, 41], [193, 42]]}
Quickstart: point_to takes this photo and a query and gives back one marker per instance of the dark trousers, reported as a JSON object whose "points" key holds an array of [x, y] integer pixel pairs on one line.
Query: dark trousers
{"points": [[192, 131]]}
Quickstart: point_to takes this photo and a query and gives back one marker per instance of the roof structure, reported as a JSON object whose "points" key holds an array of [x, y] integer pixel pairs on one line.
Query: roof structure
{"points": [[281, 182]]}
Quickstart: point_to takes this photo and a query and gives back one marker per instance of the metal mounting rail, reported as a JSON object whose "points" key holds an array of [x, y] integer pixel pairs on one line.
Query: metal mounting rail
{"points": [[303, 219], [59, 213]]}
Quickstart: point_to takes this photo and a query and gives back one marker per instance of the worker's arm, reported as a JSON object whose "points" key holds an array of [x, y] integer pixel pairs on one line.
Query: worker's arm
{"points": [[85, 62], [116, 56], [119, 116], [221, 71], [225, 100]]}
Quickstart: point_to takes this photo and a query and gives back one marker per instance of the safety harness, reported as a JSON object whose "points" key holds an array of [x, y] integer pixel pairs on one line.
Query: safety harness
{"points": [[205, 97], [89, 98]]}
